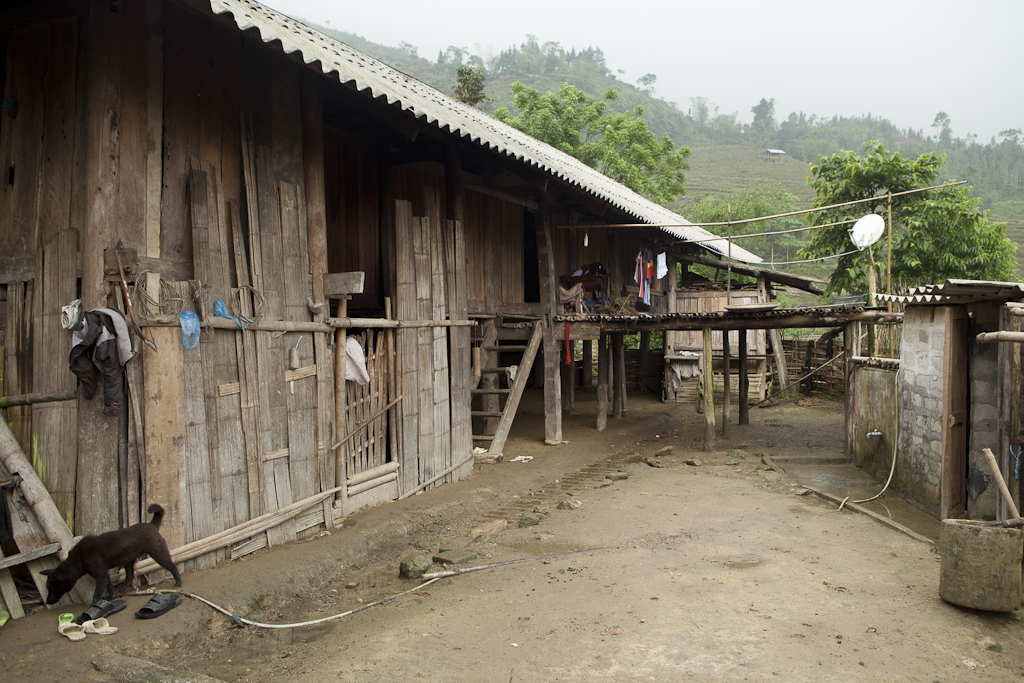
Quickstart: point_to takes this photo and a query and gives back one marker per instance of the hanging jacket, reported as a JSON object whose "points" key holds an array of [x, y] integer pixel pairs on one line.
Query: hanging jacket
{"points": [[100, 346]]}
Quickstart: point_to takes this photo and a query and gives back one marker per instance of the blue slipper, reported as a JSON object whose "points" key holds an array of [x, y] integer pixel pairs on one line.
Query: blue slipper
{"points": [[159, 604], [103, 608]]}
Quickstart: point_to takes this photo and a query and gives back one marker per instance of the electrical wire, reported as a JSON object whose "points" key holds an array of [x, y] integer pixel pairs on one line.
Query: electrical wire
{"points": [[811, 260]]}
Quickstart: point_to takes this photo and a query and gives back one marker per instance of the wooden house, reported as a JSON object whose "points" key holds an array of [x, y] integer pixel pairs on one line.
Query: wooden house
{"points": [[323, 216]]}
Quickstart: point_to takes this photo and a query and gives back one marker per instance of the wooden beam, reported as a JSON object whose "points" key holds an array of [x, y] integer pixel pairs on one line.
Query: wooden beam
{"points": [[339, 285], [726, 389], [17, 269], [619, 360], [549, 304], [809, 285], [602, 382]]}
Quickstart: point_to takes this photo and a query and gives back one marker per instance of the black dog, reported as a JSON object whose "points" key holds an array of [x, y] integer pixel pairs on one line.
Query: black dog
{"points": [[97, 555]]}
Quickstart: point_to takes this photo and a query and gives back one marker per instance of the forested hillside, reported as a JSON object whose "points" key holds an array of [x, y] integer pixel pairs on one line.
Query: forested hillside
{"points": [[728, 154]]}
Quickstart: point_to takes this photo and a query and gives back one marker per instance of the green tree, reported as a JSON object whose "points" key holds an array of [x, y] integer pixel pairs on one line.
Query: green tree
{"points": [[936, 234], [754, 201], [619, 145], [469, 85], [764, 120]]}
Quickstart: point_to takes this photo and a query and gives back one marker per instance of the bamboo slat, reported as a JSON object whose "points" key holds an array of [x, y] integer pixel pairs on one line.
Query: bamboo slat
{"points": [[424, 347], [245, 350], [55, 425], [17, 379], [440, 258], [407, 339], [301, 396], [461, 363], [200, 398], [272, 356]]}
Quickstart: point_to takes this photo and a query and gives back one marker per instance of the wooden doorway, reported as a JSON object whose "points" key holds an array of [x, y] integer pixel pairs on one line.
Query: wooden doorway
{"points": [[955, 406]]}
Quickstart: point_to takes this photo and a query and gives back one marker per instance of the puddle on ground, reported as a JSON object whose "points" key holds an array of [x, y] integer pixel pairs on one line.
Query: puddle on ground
{"points": [[742, 563], [847, 480]]}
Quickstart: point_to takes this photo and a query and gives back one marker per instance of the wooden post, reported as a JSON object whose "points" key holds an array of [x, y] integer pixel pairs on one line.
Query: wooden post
{"points": [[568, 371], [645, 352], [726, 389], [617, 376], [1004, 402], [709, 393], [588, 360], [668, 340], [602, 382], [340, 412], [549, 307], [775, 338], [851, 334], [744, 380]]}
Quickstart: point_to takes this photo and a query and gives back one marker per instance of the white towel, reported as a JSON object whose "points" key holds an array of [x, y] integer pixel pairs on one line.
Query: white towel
{"points": [[662, 266]]}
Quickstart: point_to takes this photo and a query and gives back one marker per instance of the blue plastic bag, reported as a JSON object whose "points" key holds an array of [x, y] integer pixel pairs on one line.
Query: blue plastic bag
{"points": [[189, 329], [220, 309]]}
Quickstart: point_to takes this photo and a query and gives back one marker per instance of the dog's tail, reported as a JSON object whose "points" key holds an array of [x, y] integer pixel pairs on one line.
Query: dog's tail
{"points": [[158, 514]]}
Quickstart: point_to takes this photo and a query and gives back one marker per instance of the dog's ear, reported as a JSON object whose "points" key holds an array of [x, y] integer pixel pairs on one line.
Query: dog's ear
{"points": [[46, 572]]}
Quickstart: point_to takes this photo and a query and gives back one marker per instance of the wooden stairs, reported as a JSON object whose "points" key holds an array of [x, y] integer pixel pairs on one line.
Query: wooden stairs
{"points": [[506, 381]]}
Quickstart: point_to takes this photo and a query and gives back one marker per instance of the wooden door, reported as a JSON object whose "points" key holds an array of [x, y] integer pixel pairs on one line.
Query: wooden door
{"points": [[954, 414]]}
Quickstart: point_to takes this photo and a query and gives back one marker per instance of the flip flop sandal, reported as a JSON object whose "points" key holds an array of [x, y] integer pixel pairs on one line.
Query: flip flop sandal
{"points": [[72, 631], [100, 626], [103, 608], [159, 604]]}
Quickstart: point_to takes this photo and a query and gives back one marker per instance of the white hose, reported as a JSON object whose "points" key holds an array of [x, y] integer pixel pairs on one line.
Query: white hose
{"points": [[892, 469], [241, 620]]}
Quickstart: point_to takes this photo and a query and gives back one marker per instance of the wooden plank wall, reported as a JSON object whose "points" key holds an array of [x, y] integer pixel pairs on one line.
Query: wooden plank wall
{"points": [[434, 413], [708, 302], [494, 227], [36, 150]]}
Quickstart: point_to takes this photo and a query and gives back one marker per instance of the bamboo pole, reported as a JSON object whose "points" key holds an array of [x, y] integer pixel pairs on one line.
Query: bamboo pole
{"points": [[306, 326], [1002, 335], [371, 483], [375, 473], [236, 533], [27, 399], [36, 495], [994, 466]]}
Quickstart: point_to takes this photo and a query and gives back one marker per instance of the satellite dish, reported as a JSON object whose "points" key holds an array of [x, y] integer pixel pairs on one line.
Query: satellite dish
{"points": [[867, 230]]}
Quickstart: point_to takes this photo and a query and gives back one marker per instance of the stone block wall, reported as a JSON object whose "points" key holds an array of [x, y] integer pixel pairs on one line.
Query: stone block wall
{"points": [[919, 468]]}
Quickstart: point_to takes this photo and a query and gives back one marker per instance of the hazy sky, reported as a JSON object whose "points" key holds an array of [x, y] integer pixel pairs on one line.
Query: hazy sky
{"points": [[903, 60]]}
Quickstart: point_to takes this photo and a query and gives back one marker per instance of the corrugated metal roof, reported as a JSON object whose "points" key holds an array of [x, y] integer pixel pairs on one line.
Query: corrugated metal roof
{"points": [[954, 292], [351, 65]]}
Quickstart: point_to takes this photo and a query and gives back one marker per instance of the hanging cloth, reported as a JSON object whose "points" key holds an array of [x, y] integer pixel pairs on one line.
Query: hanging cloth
{"points": [[662, 266], [568, 346]]}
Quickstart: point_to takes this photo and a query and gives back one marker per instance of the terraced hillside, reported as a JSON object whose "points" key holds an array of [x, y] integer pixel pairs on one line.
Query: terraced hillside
{"points": [[727, 169]]}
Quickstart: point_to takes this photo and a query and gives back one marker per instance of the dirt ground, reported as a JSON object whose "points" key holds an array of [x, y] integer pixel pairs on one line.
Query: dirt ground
{"points": [[716, 569]]}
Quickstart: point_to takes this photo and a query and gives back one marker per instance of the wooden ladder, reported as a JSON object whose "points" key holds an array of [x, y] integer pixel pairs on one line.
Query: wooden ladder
{"points": [[512, 393]]}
